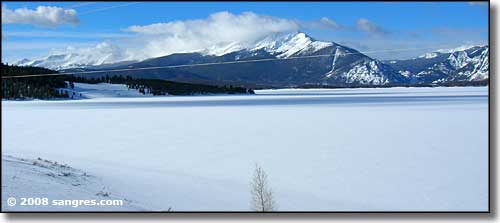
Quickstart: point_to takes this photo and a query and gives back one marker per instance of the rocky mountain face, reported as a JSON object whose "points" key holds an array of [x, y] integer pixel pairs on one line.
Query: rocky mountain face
{"points": [[290, 60], [470, 64], [300, 60]]}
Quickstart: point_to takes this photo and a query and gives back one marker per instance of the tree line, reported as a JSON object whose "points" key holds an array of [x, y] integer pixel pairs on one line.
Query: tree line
{"points": [[162, 87], [31, 87], [52, 87]]}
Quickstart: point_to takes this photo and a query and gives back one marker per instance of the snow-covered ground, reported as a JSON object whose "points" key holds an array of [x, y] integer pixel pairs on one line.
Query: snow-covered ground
{"points": [[59, 184], [397, 149], [103, 90]]}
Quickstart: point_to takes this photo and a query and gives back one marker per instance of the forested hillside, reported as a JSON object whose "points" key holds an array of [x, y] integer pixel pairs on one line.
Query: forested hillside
{"points": [[31, 87], [161, 87], [52, 87]]}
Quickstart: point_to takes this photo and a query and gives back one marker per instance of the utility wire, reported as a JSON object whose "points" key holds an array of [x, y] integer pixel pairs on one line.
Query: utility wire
{"points": [[206, 64], [107, 8]]}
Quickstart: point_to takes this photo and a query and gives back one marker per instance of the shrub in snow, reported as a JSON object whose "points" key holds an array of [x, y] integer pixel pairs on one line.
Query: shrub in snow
{"points": [[262, 195]]}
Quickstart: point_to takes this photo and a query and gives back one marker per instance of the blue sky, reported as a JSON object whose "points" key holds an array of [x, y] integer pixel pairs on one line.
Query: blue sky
{"points": [[365, 26]]}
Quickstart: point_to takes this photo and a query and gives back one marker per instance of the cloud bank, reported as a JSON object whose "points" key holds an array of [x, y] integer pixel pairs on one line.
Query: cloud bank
{"points": [[370, 27], [219, 29], [43, 16]]}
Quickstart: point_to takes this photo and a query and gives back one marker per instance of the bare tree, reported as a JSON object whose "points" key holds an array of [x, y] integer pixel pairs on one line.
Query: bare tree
{"points": [[262, 195]]}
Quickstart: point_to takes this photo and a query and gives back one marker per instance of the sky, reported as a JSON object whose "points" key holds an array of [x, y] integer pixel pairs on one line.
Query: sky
{"points": [[117, 31]]}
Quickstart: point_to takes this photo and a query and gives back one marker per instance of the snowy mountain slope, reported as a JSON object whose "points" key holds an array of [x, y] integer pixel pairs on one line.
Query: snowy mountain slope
{"points": [[284, 46], [334, 64], [41, 178], [70, 61], [461, 64], [105, 55], [344, 66], [281, 45], [349, 66]]}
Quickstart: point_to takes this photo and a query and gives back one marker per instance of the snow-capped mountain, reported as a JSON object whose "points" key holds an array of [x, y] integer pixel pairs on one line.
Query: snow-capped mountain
{"points": [[59, 61], [460, 64], [321, 62], [284, 46], [102, 55], [280, 45], [329, 63]]}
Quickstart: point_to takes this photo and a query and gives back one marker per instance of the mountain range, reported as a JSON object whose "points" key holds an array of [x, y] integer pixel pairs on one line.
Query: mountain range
{"points": [[320, 63]]}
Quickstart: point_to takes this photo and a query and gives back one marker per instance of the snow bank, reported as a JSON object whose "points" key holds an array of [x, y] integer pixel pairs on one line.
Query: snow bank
{"points": [[25, 179]]}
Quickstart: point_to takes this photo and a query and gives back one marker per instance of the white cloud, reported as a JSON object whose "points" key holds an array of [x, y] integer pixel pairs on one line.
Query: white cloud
{"points": [[329, 23], [104, 52], [370, 27], [220, 28], [323, 23], [43, 16], [222, 25], [182, 36]]}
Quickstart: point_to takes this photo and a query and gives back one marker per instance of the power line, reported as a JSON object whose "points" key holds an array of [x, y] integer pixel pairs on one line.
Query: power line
{"points": [[165, 67], [80, 5], [206, 64], [107, 8]]}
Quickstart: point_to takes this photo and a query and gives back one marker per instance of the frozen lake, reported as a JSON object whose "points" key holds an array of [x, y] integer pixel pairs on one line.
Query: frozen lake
{"points": [[397, 149]]}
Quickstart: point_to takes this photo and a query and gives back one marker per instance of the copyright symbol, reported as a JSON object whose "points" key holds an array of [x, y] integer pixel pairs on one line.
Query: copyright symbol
{"points": [[11, 201]]}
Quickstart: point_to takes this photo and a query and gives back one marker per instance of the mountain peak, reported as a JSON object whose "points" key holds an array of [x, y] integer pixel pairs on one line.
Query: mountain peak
{"points": [[284, 45], [300, 34], [280, 44]]}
